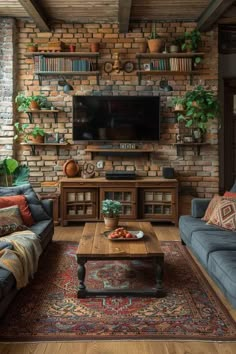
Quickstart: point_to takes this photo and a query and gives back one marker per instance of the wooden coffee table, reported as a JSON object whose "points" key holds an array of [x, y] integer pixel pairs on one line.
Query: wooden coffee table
{"points": [[94, 246]]}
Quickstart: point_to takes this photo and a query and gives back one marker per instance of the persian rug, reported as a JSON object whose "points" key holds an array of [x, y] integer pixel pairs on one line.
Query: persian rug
{"points": [[48, 308]]}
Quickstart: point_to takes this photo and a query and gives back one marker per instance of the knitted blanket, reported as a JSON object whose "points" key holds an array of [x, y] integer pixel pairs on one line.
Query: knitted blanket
{"points": [[22, 259]]}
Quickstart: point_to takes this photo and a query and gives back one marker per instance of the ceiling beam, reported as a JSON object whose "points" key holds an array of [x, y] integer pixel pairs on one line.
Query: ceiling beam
{"points": [[212, 13], [124, 15], [36, 14]]}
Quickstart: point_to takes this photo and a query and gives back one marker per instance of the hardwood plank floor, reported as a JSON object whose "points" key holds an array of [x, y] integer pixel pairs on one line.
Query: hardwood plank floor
{"points": [[165, 233]]}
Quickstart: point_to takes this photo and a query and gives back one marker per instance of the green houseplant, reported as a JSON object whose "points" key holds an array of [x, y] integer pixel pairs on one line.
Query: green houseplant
{"points": [[25, 103], [190, 41], [11, 173], [200, 106], [154, 40], [36, 134], [111, 209]]}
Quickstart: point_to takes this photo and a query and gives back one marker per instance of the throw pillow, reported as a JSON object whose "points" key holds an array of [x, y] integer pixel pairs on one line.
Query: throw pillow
{"points": [[10, 221], [230, 195], [211, 206], [35, 205], [21, 202], [224, 214]]}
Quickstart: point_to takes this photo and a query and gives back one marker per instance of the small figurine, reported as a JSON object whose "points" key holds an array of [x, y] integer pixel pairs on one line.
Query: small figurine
{"points": [[88, 170]]}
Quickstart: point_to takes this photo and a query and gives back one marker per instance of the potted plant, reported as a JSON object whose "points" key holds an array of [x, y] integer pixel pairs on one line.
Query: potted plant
{"points": [[200, 105], [191, 41], [31, 47], [35, 135], [111, 209], [34, 102], [154, 41], [11, 173], [179, 104]]}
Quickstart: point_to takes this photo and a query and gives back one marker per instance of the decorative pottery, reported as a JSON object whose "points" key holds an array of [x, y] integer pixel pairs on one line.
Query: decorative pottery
{"points": [[70, 168], [94, 47], [155, 45], [72, 47], [38, 139], [111, 223], [34, 106], [143, 47]]}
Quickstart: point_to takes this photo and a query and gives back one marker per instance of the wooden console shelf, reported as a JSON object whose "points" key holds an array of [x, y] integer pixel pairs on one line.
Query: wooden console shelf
{"points": [[144, 199], [57, 145]]}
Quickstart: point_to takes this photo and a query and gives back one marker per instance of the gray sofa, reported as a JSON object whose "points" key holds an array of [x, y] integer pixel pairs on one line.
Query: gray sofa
{"points": [[42, 212], [214, 247]]}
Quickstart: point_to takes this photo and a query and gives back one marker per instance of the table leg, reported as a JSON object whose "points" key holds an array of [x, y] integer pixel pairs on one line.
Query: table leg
{"points": [[159, 263], [81, 276]]}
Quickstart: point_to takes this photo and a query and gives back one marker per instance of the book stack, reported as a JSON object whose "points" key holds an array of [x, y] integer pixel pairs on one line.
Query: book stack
{"points": [[61, 64]]}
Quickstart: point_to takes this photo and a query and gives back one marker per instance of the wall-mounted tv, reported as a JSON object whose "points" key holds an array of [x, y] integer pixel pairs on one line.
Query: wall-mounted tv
{"points": [[120, 118]]}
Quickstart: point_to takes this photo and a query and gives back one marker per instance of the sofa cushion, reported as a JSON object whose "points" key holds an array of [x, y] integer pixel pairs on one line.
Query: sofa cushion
{"points": [[7, 282], [10, 221], [230, 195], [21, 202], [43, 229], [224, 214], [222, 265], [205, 242], [34, 203], [211, 206]]}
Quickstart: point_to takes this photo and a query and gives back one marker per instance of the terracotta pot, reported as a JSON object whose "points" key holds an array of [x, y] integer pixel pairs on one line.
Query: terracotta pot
{"points": [[70, 168], [143, 47], [154, 45], [111, 223], [179, 107], [94, 47], [72, 47], [38, 139], [173, 48], [34, 105], [32, 48]]}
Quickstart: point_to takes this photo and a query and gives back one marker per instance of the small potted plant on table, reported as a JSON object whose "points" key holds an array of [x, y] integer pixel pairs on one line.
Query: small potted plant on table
{"points": [[111, 210], [34, 135]]}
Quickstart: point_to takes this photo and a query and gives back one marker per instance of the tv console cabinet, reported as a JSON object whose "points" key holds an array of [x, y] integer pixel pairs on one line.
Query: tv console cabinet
{"points": [[144, 199]]}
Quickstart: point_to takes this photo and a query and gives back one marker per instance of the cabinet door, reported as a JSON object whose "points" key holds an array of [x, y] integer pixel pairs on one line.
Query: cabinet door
{"points": [[80, 203], [157, 204], [127, 197]]}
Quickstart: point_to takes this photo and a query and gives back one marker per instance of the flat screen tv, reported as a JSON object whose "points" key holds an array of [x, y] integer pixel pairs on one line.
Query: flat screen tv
{"points": [[109, 118]]}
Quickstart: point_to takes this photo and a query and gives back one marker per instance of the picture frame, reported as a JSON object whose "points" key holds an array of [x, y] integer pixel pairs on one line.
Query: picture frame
{"points": [[147, 67], [60, 138], [51, 138]]}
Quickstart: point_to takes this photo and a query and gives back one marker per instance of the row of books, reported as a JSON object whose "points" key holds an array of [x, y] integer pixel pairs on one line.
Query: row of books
{"points": [[172, 64], [61, 64]]}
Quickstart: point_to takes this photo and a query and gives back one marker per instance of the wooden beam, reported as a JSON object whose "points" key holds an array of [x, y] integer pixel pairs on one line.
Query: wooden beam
{"points": [[213, 12], [124, 15], [36, 14]]}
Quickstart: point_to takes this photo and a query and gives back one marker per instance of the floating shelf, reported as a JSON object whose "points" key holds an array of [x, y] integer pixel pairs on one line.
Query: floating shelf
{"points": [[57, 145], [168, 55], [54, 111], [196, 147], [117, 151], [63, 54], [67, 73]]}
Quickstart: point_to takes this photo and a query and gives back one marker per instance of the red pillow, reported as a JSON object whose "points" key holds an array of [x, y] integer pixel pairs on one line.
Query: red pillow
{"points": [[230, 195], [21, 201]]}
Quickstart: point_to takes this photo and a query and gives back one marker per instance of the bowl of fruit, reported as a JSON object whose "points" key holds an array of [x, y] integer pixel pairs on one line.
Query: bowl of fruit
{"points": [[121, 234]]}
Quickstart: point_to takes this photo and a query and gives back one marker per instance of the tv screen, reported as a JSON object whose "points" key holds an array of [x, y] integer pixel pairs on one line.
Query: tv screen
{"points": [[116, 118]]}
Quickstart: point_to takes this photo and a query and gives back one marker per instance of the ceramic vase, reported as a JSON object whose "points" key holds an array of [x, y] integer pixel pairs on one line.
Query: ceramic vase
{"points": [[111, 223]]}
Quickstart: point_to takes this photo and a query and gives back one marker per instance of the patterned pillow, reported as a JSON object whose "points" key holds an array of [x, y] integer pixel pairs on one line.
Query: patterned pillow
{"points": [[224, 214], [230, 195], [211, 206], [10, 220], [21, 202]]}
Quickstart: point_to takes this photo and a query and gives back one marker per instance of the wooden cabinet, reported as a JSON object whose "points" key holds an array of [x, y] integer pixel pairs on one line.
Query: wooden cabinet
{"points": [[152, 199]]}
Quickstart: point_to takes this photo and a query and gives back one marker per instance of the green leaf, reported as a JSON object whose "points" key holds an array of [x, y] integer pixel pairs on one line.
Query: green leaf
{"points": [[10, 165], [21, 175]]}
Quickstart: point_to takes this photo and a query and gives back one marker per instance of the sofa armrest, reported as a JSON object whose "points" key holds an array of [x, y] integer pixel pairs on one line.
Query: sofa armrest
{"points": [[48, 206], [199, 206]]}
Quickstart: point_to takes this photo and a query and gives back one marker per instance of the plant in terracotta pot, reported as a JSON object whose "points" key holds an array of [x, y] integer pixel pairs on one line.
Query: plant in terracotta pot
{"points": [[111, 210], [201, 105], [178, 103], [33, 102], [190, 41], [154, 41], [35, 135], [32, 47]]}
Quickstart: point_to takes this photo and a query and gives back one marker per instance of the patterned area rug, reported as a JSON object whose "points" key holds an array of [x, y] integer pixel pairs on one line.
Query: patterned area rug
{"points": [[48, 309]]}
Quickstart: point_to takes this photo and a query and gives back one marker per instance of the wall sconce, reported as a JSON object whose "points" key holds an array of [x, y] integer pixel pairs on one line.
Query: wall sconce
{"points": [[128, 66], [164, 85], [66, 86]]}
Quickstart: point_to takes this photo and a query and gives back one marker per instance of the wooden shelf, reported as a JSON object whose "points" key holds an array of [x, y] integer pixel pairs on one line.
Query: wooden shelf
{"points": [[30, 113], [33, 146], [118, 150], [63, 54], [67, 73], [168, 55]]}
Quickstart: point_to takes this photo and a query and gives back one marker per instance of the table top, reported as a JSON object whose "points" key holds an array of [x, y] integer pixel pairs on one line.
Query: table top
{"points": [[94, 244]]}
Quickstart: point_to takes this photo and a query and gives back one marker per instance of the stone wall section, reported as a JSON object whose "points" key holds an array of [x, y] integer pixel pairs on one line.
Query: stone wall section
{"points": [[7, 85], [198, 175]]}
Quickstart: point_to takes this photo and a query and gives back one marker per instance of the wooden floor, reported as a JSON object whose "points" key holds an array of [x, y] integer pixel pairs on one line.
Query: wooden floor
{"points": [[127, 347]]}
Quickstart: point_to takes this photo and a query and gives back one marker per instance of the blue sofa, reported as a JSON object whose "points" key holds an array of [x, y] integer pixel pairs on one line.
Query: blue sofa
{"points": [[214, 247], [42, 212]]}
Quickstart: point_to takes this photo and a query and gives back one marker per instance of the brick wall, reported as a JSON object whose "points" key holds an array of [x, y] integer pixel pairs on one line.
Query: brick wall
{"points": [[7, 84], [198, 174]]}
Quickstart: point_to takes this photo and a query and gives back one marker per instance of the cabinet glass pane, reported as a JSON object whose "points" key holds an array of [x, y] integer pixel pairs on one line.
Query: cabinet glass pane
{"points": [[88, 210], [108, 195], [118, 196], [158, 209], [71, 210], [80, 196], [148, 196], [70, 197], [127, 210], [167, 210], [127, 196], [148, 209], [88, 196], [80, 210], [167, 197], [158, 196]]}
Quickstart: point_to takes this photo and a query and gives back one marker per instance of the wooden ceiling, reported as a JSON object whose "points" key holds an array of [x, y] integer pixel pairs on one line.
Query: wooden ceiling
{"points": [[46, 12]]}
